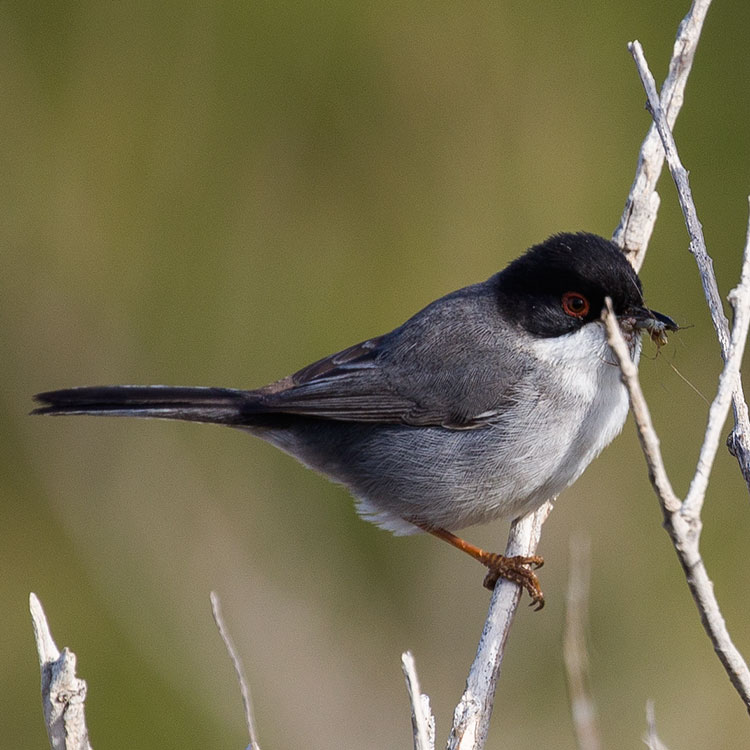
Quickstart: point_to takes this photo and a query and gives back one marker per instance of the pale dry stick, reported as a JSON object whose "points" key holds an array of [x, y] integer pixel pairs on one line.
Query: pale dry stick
{"points": [[239, 671], [63, 694], [651, 739], [472, 715], [575, 654], [684, 529], [680, 176], [639, 216], [471, 719], [422, 720], [739, 440], [730, 388], [657, 472]]}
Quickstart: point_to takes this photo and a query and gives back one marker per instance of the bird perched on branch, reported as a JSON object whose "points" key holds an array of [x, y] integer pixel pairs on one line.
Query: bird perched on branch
{"points": [[485, 404]]}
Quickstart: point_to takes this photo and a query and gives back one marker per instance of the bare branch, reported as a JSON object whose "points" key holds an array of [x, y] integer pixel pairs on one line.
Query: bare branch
{"points": [[574, 646], [63, 694], [740, 439], [729, 384], [680, 176], [472, 715], [684, 530], [683, 523], [239, 671], [652, 739], [471, 718], [639, 216], [422, 720], [646, 433]]}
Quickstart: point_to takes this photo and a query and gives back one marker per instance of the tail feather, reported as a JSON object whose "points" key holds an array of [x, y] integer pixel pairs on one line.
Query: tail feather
{"points": [[193, 404]]}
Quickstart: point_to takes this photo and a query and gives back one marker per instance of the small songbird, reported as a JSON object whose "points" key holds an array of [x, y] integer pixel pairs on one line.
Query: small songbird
{"points": [[485, 404]]}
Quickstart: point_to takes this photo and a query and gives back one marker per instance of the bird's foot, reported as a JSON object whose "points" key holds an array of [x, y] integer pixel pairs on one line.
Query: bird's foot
{"points": [[517, 570]]}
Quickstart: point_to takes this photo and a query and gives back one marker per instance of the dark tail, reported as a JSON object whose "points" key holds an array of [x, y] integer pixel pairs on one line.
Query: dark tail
{"points": [[217, 405]]}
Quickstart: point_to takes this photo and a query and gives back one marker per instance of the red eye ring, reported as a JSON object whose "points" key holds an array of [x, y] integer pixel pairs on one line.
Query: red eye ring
{"points": [[575, 305]]}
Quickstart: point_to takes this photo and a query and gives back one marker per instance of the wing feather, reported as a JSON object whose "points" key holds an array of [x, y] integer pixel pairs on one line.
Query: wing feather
{"points": [[422, 373]]}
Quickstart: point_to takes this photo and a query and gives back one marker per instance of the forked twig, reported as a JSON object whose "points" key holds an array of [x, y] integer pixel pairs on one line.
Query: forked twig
{"points": [[681, 522], [639, 216], [739, 440], [472, 714]]}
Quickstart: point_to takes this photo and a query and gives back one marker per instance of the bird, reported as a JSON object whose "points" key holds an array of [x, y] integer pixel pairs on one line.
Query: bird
{"points": [[483, 405]]}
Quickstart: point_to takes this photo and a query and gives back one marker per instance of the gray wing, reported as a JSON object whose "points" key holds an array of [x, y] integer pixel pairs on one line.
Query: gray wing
{"points": [[450, 365]]}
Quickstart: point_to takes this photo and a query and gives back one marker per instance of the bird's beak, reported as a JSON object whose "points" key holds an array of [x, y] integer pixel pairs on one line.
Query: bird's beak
{"points": [[645, 317], [654, 323]]}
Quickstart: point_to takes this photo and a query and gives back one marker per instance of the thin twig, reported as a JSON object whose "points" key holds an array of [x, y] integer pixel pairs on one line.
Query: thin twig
{"points": [[63, 694], [680, 176], [639, 216], [740, 437], [238, 668], [575, 653], [646, 433], [422, 720], [684, 530], [471, 718], [651, 739], [729, 387]]}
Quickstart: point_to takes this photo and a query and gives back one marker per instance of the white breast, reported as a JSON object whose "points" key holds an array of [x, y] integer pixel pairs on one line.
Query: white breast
{"points": [[588, 381]]}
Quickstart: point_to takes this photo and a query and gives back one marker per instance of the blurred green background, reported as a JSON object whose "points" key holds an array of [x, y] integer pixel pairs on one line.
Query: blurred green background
{"points": [[219, 193]]}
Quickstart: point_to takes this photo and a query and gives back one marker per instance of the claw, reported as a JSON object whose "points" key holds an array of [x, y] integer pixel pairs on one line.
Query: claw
{"points": [[516, 569]]}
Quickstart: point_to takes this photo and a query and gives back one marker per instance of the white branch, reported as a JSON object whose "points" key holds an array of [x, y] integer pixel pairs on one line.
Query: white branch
{"points": [[651, 739], [683, 522], [63, 694], [646, 432], [639, 216], [471, 718], [740, 438], [683, 529], [472, 714], [239, 671], [729, 383], [575, 653], [680, 176], [422, 720]]}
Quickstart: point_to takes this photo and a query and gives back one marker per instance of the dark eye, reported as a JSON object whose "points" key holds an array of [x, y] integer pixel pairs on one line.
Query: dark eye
{"points": [[575, 305]]}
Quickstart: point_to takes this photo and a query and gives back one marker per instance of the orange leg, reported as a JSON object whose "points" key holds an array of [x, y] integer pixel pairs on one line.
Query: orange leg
{"points": [[499, 566]]}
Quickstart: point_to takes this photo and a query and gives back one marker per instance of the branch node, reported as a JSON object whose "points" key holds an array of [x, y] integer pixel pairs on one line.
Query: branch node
{"points": [[63, 694]]}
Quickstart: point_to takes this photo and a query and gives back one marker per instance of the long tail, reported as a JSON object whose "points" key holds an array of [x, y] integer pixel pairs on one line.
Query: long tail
{"points": [[217, 405]]}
